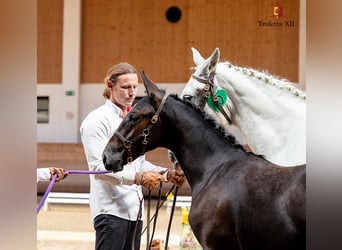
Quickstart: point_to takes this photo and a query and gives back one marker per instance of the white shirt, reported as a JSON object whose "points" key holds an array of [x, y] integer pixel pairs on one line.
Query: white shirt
{"points": [[43, 174], [110, 193]]}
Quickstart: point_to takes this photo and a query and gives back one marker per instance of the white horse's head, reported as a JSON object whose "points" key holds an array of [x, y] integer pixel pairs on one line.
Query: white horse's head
{"points": [[270, 112], [198, 92]]}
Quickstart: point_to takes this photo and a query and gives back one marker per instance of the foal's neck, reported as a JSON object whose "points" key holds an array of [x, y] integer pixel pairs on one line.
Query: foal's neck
{"points": [[196, 142]]}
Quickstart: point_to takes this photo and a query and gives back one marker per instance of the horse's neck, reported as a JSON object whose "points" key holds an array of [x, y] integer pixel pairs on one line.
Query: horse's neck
{"points": [[266, 115], [254, 97]]}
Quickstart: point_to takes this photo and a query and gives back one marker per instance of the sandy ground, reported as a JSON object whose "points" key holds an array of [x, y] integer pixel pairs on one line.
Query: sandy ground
{"points": [[67, 227]]}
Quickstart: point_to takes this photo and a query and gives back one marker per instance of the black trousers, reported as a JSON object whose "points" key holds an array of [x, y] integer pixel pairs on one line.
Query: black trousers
{"points": [[114, 233]]}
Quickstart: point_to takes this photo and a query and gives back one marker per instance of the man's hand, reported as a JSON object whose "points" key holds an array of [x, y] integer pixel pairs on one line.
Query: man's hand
{"points": [[60, 173], [176, 176], [149, 180]]}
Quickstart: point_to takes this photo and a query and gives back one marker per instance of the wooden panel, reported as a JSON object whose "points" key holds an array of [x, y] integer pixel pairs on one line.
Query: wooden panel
{"points": [[138, 32], [233, 26], [49, 39]]}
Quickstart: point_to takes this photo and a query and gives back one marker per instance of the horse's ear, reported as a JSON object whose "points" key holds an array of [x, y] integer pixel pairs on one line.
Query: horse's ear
{"points": [[209, 65], [214, 60], [152, 89], [196, 56]]}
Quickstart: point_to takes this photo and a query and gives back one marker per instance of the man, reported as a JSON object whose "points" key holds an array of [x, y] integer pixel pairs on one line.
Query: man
{"points": [[116, 199]]}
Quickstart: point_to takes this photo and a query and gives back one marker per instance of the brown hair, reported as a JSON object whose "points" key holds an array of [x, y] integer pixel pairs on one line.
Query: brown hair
{"points": [[106, 93], [119, 69]]}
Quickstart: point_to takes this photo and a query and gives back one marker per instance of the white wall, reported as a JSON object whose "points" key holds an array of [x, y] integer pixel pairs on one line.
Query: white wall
{"points": [[61, 127]]}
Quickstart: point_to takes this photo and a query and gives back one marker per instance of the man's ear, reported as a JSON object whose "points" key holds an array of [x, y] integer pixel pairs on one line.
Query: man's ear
{"points": [[109, 84]]}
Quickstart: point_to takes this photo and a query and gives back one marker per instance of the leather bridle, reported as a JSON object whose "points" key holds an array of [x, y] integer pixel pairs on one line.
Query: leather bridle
{"points": [[128, 145], [209, 89], [145, 133]]}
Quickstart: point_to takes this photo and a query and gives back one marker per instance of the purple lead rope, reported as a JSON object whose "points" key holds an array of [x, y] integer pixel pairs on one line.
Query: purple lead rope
{"points": [[86, 172], [53, 180], [54, 177]]}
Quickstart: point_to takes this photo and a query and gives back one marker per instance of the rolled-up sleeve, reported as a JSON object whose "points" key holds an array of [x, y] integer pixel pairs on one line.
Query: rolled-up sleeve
{"points": [[43, 174]]}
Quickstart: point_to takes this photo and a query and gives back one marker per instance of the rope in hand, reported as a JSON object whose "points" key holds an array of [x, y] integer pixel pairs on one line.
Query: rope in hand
{"points": [[53, 180]]}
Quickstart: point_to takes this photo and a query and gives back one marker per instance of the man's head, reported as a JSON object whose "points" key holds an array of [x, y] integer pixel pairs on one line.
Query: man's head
{"points": [[122, 82]]}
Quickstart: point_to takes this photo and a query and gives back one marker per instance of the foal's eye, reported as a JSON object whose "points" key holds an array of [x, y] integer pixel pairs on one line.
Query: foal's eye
{"points": [[135, 118]]}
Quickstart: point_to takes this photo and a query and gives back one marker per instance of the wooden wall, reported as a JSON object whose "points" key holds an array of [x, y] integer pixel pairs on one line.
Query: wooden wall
{"points": [[138, 32], [49, 39]]}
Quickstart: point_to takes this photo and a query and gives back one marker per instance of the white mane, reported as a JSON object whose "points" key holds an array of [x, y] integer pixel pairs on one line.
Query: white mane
{"points": [[266, 78]]}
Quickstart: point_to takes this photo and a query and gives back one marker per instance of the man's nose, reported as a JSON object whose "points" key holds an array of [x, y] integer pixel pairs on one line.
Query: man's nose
{"points": [[132, 91]]}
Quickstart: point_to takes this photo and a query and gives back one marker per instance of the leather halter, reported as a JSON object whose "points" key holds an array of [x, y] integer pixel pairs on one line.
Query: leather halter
{"points": [[127, 145], [210, 89], [146, 132]]}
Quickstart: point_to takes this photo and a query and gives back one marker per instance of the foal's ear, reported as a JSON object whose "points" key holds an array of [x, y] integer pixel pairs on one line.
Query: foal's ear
{"points": [[151, 88]]}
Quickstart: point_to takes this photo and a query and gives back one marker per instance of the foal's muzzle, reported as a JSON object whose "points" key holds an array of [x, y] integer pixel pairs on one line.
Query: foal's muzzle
{"points": [[112, 164]]}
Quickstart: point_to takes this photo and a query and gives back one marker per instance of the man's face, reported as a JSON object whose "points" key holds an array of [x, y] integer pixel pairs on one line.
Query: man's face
{"points": [[125, 90]]}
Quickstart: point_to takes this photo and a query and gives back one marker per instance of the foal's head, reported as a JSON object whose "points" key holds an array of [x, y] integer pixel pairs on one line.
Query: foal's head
{"points": [[135, 134]]}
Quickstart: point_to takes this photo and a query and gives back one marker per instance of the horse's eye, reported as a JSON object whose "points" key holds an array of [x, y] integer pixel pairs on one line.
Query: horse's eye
{"points": [[187, 98], [135, 117]]}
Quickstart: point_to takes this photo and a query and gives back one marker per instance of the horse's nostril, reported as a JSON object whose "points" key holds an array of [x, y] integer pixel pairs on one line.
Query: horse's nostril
{"points": [[187, 98]]}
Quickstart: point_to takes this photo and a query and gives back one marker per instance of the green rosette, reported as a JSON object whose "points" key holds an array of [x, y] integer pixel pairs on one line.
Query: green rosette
{"points": [[221, 98]]}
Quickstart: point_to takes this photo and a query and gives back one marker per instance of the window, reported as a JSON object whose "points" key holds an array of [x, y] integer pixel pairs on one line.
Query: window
{"points": [[42, 109]]}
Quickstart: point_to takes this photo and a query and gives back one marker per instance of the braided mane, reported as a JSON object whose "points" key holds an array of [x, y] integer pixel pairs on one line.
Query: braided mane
{"points": [[268, 79]]}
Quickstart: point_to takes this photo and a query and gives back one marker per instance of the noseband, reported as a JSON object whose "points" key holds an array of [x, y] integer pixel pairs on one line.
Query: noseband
{"points": [[146, 132], [209, 89]]}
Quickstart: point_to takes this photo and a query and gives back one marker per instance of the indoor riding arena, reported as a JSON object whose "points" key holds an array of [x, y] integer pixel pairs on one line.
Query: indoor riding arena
{"points": [[79, 40]]}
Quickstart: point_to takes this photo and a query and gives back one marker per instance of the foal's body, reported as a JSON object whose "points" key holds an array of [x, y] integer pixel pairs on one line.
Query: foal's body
{"points": [[271, 113], [242, 214], [239, 200]]}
